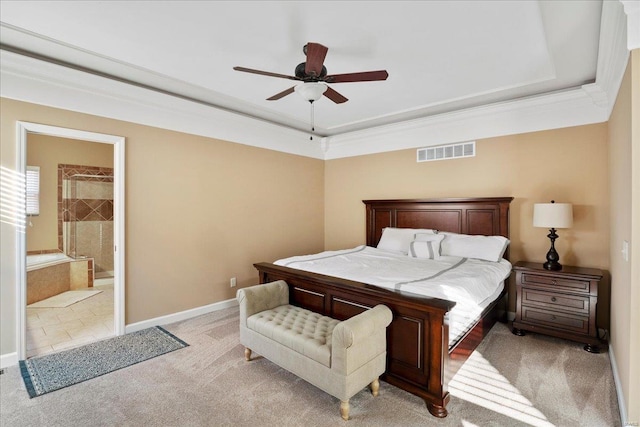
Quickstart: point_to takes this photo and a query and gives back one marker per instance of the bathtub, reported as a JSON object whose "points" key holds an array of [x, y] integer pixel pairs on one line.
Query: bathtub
{"points": [[35, 262], [53, 273]]}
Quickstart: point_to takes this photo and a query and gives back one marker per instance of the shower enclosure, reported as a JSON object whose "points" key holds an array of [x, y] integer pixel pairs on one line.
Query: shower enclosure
{"points": [[88, 220]]}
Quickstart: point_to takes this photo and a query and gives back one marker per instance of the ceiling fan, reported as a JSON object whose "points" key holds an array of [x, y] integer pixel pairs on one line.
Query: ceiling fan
{"points": [[314, 76]]}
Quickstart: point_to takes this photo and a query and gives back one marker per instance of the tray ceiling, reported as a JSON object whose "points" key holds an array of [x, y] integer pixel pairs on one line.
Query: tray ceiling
{"points": [[441, 56]]}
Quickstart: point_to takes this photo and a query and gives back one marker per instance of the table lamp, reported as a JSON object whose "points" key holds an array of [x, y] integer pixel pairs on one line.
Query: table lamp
{"points": [[552, 215]]}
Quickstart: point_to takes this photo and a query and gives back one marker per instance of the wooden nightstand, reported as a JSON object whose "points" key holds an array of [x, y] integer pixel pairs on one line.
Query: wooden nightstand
{"points": [[558, 303]]}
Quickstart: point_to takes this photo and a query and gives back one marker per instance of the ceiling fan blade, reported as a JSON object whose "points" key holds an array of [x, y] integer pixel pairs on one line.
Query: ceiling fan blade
{"points": [[315, 58], [281, 94], [365, 76], [334, 96], [265, 73]]}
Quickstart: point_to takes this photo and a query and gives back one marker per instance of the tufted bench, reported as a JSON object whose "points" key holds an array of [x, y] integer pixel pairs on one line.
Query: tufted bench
{"points": [[340, 358]]}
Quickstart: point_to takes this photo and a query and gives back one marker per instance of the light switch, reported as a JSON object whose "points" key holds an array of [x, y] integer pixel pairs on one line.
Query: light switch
{"points": [[625, 250]]}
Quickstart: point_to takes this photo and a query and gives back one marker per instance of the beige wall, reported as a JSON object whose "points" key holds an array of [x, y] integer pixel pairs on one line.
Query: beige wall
{"points": [[198, 212], [624, 142], [634, 319], [47, 152], [567, 165]]}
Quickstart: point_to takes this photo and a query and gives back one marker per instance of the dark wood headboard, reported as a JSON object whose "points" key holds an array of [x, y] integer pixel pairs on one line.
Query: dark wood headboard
{"points": [[488, 216]]}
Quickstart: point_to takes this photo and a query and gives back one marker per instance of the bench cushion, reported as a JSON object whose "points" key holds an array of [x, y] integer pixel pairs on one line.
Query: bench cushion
{"points": [[301, 330]]}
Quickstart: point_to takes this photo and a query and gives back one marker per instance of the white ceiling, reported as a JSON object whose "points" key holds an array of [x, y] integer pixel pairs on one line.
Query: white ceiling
{"points": [[442, 56]]}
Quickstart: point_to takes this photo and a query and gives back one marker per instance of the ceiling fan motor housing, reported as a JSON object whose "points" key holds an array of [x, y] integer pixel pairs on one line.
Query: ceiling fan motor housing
{"points": [[300, 73]]}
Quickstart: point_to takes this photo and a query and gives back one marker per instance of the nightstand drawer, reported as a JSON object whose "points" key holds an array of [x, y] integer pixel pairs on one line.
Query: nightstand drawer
{"points": [[555, 283], [566, 321], [562, 302]]}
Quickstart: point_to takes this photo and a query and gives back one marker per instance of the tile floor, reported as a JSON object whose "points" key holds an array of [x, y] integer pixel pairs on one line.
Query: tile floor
{"points": [[54, 329]]}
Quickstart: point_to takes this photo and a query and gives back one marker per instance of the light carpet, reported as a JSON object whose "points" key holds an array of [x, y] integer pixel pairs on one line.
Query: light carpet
{"points": [[65, 299], [509, 381], [54, 371]]}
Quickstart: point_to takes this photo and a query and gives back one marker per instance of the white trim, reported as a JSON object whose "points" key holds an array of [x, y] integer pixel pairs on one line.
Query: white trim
{"points": [[39, 82], [119, 244], [36, 81], [118, 142], [8, 359], [612, 52], [616, 380], [70, 133], [632, 9], [21, 252], [564, 109], [182, 315]]}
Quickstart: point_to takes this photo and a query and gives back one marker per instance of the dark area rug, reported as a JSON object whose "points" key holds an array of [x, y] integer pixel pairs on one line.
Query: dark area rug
{"points": [[52, 372]]}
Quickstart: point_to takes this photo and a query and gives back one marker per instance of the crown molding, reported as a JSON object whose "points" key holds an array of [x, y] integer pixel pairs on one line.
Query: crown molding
{"points": [[612, 52], [41, 82], [564, 109], [632, 10]]}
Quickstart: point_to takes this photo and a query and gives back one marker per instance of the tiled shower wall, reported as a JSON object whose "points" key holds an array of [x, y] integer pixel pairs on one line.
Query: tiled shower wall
{"points": [[85, 211]]}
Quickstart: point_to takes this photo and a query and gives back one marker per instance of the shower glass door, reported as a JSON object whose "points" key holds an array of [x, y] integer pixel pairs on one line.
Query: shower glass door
{"points": [[90, 225]]}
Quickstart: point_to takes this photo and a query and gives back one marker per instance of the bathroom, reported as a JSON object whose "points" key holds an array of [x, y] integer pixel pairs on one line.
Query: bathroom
{"points": [[69, 244]]}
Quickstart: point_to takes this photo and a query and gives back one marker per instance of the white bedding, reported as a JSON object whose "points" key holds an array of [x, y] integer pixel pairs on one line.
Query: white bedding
{"points": [[471, 283]]}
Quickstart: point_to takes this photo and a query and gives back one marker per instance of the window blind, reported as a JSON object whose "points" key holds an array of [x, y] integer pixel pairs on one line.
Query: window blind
{"points": [[33, 190]]}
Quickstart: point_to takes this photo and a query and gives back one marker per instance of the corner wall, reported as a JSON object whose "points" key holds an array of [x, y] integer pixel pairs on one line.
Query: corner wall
{"points": [[624, 167]]}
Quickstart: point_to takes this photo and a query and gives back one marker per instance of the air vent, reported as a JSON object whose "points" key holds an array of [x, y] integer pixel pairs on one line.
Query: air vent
{"points": [[445, 152]]}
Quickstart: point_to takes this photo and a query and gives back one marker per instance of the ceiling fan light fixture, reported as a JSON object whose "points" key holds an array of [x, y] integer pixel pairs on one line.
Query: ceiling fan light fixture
{"points": [[311, 91]]}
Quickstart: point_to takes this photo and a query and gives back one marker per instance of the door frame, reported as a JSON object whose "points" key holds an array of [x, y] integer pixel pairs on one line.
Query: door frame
{"points": [[23, 129]]}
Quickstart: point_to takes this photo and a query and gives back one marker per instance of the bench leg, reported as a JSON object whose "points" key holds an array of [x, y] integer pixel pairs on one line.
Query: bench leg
{"points": [[247, 354], [344, 409], [375, 386]]}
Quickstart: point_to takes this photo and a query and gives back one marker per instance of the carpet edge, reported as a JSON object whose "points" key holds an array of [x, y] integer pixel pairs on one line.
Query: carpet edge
{"points": [[26, 378], [172, 336]]}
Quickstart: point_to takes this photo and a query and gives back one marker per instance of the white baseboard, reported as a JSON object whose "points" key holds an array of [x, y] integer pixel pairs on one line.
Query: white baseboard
{"points": [[182, 315], [616, 380], [9, 359]]}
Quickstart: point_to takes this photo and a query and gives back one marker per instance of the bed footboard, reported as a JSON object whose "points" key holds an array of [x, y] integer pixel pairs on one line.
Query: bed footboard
{"points": [[417, 349]]}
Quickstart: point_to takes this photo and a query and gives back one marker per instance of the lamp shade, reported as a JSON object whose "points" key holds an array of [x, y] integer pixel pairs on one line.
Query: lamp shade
{"points": [[553, 215], [311, 91]]}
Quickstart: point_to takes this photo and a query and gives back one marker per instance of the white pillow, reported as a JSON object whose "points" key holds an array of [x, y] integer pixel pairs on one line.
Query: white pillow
{"points": [[398, 239], [488, 248], [426, 246]]}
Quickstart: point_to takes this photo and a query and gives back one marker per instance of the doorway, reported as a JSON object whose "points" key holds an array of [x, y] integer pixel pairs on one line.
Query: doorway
{"points": [[110, 210]]}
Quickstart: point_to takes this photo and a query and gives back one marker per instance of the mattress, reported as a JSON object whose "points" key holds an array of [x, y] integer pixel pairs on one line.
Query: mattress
{"points": [[473, 284]]}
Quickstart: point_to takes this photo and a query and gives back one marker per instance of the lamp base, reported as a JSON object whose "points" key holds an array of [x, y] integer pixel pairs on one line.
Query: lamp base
{"points": [[553, 266], [552, 256]]}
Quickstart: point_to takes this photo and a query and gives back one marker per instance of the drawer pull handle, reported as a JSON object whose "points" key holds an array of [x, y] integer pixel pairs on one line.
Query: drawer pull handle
{"points": [[553, 282], [553, 317], [553, 299]]}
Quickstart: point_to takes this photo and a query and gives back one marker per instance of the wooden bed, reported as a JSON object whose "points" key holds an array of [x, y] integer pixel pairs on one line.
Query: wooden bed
{"points": [[418, 356]]}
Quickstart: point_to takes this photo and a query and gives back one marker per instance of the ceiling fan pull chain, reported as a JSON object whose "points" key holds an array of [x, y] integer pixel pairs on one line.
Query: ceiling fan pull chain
{"points": [[313, 128]]}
